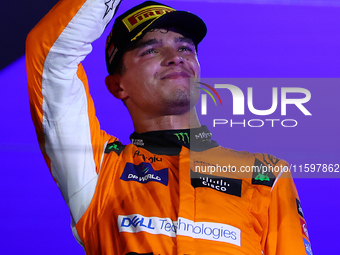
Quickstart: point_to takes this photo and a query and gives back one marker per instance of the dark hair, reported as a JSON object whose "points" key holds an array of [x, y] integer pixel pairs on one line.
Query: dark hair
{"points": [[121, 68]]}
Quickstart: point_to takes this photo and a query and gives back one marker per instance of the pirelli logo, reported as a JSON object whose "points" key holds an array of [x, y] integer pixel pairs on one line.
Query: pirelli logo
{"points": [[138, 17]]}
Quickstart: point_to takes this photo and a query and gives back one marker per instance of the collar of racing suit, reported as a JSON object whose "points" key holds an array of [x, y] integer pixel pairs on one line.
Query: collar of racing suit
{"points": [[170, 142]]}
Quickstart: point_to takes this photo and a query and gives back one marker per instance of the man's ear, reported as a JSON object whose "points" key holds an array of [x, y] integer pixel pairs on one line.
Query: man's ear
{"points": [[113, 84]]}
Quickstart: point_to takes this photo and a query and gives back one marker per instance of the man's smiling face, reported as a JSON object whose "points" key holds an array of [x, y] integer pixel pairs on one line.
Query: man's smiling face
{"points": [[158, 73]]}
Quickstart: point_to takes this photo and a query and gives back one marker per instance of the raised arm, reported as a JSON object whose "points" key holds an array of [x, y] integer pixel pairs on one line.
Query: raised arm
{"points": [[62, 109]]}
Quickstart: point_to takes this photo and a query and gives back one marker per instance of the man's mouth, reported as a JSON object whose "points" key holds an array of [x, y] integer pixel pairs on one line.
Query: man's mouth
{"points": [[176, 75]]}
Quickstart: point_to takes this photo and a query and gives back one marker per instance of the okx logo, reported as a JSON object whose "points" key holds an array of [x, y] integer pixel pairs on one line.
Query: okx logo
{"points": [[204, 97], [144, 173]]}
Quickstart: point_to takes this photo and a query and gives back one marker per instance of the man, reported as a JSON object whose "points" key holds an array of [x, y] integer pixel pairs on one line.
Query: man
{"points": [[148, 197]]}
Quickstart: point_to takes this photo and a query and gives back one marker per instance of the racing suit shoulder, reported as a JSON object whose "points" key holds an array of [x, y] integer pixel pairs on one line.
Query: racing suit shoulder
{"points": [[287, 230], [275, 203]]}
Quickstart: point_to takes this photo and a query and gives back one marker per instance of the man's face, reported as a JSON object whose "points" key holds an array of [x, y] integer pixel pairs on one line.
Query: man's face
{"points": [[158, 73]]}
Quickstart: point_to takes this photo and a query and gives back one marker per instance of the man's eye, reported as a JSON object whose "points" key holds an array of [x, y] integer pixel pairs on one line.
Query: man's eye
{"points": [[149, 51], [185, 48]]}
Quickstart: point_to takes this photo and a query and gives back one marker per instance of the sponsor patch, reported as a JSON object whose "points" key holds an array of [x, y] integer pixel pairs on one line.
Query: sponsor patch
{"points": [[262, 175], [135, 223], [308, 247], [221, 184], [117, 147], [203, 136], [137, 142], [147, 158], [209, 231], [165, 226], [183, 137], [144, 14], [144, 173], [113, 55], [299, 208], [304, 228]]}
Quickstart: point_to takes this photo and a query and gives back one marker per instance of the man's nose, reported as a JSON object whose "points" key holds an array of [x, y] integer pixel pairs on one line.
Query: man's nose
{"points": [[173, 57]]}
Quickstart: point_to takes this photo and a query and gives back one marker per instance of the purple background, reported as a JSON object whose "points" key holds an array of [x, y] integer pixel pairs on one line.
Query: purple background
{"points": [[244, 41]]}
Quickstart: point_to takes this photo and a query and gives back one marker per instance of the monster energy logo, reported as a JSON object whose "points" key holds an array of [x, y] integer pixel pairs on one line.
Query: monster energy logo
{"points": [[184, 137]]}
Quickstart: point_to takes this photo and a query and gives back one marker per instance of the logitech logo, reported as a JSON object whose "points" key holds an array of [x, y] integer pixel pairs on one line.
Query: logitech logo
{"points": [[147, 158]]}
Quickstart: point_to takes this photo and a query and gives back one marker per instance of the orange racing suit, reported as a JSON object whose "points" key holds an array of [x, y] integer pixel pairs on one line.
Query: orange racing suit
{"points": [[168, 192]]}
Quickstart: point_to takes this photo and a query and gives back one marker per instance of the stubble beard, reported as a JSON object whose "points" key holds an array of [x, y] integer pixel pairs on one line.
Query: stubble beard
{"points": [[179, 102]]}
